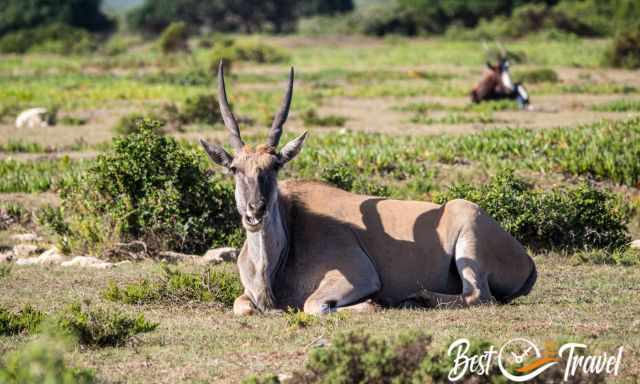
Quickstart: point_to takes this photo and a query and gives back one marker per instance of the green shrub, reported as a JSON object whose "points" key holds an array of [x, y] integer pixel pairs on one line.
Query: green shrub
{"points": [[13, 213], [624, 51], [52, 218], [299, 319], [19, 146], [201, 109], [149, 187], [26, 320], [101, 328], [350, 179], [250, 50], [575, 218], [135, 122], [174, 38], [310, 118], [621, 256], [175, 286], [38, 362], [55, 38], [534, 76]]}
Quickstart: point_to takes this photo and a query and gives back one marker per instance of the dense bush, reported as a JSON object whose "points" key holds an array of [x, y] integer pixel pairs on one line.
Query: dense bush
{"points": [[135, 122], [201, 109], [572, 218], [325, 7], [101, 328], [624, 51], [252, 50], [215, 284], [149, 187], [20, 14], [174, 38], [54, 38], [41, 361]]}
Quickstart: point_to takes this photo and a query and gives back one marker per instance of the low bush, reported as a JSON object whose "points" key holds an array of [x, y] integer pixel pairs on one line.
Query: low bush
{"points": [[570, 218], [349, 179], [174, 38], [310, 118], [27, 320], [41, 361], [621, 256], [357, 357], [534, 76], [13, 213], [201, 109], [300, 319], [624, 51], [54, 38], [249, 50], [148, 187], [135, 122], [101, 328], [212, 285]]}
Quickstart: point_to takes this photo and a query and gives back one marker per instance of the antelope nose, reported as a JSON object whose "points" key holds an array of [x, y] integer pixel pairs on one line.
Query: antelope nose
{"points": [[257, 207]]}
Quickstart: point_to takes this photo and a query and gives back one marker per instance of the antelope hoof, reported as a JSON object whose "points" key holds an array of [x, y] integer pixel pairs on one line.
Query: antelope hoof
{"points": [[242, 306]]}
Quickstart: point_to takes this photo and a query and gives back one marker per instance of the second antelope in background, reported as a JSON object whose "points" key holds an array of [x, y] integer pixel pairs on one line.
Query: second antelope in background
{"points": [[315, 247], [496, 83]]}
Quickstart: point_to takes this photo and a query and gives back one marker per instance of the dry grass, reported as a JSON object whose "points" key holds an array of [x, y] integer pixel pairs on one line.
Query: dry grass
{"points": [[593, 304]]}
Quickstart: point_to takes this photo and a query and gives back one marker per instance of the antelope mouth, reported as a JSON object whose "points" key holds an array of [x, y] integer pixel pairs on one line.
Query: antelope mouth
{"points": [[252, 223]]}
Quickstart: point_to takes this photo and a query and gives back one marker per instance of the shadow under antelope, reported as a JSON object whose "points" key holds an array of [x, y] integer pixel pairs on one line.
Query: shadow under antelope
{"points": [[315, 247]]}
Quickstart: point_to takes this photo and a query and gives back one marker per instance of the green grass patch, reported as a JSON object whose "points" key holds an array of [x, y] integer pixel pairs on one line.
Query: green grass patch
{"points": [[5, 270], [454, 118], [213, 285], [310, 118], [99, 327], [622, 105], [562, 218], [38, 176], [534, 76], [623, 256], [27, 320]]}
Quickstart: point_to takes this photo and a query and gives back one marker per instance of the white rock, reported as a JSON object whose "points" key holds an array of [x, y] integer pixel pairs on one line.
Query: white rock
{"points": [[635, 244], [22, 251], [25, 237], [50, 257], [32, 118], [87, 262], [123, 262], [219, 255]]}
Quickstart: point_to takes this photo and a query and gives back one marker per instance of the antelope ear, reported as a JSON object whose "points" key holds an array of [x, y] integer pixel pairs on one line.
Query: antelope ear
{"points": [[291, 149], [217, 154]]}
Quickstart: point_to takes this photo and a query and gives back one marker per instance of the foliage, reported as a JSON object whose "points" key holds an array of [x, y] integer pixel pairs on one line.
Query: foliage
{"points": [[149, 187], [571, 218], [344, 177], [52, 218], [26, 320], [19, 14], [211, 285], [220, 15], [41, 361], [54, 38], [623, 256], [201, 109], [101, 328], [299, 319], [13, 213], [133, 123], [244, 50], [5, 270], [174, 38], [310, 118], [624, 51], [534, 76]]}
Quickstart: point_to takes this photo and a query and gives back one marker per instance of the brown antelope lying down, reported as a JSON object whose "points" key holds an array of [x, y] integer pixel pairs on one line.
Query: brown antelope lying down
{"points": [[318, 248], [496, 84]]}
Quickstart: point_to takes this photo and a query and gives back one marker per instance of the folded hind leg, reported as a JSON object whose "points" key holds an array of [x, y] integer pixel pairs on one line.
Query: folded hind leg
{"points": [[475, 284]]}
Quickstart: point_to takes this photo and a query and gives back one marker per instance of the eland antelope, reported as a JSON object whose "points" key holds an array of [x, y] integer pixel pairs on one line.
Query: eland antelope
{"points": [[321, 249]]}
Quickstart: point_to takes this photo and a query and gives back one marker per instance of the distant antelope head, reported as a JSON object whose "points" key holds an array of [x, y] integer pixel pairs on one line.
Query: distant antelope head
{"points": [[254, 169]]}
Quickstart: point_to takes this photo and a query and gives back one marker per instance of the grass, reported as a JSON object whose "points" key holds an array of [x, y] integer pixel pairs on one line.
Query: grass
{"points": [[26, 320], [622, 105], [37, 176], [204, 343]]}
